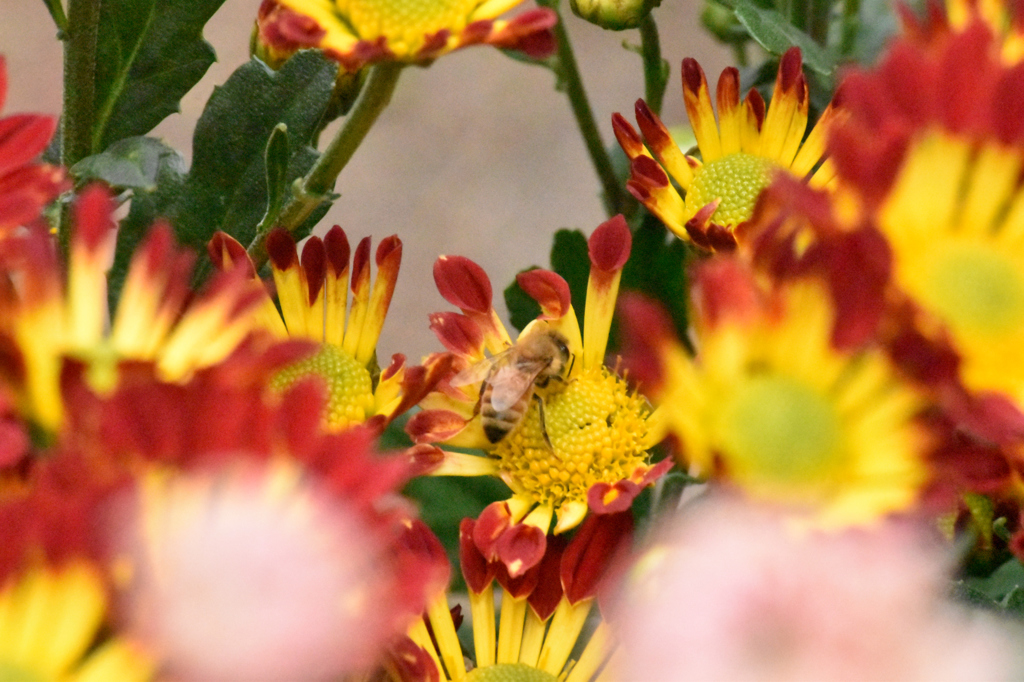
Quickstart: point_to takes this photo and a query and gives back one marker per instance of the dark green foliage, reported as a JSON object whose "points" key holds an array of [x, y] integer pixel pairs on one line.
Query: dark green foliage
{"points": [[657, 269], [226, 188], [134, 163], [149, 54]]}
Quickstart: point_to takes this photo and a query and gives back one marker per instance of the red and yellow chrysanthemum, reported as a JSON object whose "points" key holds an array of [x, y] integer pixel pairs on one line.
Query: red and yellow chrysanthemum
{"points": [[777, 406], [55, 606], [1003, 17], [312, 291], [542, 618], [25, 186], [49, 312], [234, 536], [359, 32], [738, 154], [589, 447], [940, 175]]}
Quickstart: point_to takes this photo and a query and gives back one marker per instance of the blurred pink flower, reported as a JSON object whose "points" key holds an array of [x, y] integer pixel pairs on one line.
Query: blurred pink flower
{"points": [[257, 574], [736, 593]]}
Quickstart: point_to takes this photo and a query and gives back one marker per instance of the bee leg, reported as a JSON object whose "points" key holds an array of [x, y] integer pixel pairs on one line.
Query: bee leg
{"points": [[543, 424]]}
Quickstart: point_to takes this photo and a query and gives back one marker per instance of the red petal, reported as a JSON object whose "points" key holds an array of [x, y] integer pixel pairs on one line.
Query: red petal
{"points": [[337, 249], [463, 283], [610, 244], [520, 548], [476, 570], [433, 426], [589, 554], [549, 290]]}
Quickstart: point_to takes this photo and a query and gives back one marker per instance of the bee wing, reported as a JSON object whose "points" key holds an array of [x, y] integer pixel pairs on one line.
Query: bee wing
{"points": [[479, 370], [509, 384]]}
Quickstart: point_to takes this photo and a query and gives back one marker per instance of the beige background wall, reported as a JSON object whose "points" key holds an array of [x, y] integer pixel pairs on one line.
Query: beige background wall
{"points": [[477, 155]]}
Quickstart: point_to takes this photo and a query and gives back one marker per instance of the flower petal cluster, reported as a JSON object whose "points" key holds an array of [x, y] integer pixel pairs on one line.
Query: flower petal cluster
{"points": [[939, 177], [25, 186], [581, 441], [765, 602], [232, 533], [359, 32], [542, 612], [784, 401], [51, 311], [313, 293], [739, 153]]}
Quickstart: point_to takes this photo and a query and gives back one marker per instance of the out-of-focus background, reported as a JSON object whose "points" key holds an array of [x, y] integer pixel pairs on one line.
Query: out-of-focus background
{"points": [[477, 155]]}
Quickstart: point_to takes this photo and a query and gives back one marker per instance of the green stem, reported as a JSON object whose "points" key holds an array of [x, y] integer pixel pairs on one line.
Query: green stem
{"points": [[78, 116], [655, 68], [315, 188], [615, 197], [818, 20], [851, 26], [56, 9]]}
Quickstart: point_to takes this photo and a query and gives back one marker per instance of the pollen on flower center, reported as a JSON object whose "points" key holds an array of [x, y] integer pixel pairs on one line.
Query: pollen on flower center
{"points": [[509, 672], [780, 430], [408, 20], [349, 386], [736, 179], [596, 427], [976, 288]]}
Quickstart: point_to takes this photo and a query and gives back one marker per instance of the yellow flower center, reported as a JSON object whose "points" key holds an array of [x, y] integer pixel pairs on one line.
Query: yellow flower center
{"points": [[736, 179], [9, 671], [349, 387], [509, 672], [975, 288], [779, 430], [406, 22], [596, 428]]}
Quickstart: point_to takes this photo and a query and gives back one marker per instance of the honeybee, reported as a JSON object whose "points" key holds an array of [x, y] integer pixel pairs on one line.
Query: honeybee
{"points": [[510, 377]]}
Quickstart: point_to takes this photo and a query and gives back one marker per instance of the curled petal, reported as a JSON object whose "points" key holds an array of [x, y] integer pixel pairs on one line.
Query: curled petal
{"points": [[463, 283], [605, 498], [477, 571], [226, 252], [458, 333], [520, 548], [492, 522], [609, 245], [433, 426], [588, 555], [549, 290], [609, 249]]}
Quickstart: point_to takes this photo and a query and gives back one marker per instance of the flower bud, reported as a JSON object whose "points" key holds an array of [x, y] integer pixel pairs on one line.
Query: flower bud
{"points": [[616, 15]]}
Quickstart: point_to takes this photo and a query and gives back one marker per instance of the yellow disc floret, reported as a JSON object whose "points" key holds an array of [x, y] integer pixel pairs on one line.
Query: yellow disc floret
{"points": [[509, 672], [349, 386], [406, 22], [736, 179], [595, 428], [782, 431]]}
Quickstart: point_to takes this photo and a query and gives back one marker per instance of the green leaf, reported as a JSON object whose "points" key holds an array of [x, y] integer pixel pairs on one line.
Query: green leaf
{"points": [[570, 258], [1004, 580], [657, 269], [149, 54], [775, 34], [227, 184], [133, 163], [876, 23], [146, 207], [982, 513], [276, 159]]}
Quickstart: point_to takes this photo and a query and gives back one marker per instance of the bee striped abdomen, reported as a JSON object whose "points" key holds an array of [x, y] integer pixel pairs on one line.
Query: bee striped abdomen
{"points": [[498, 424]]}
